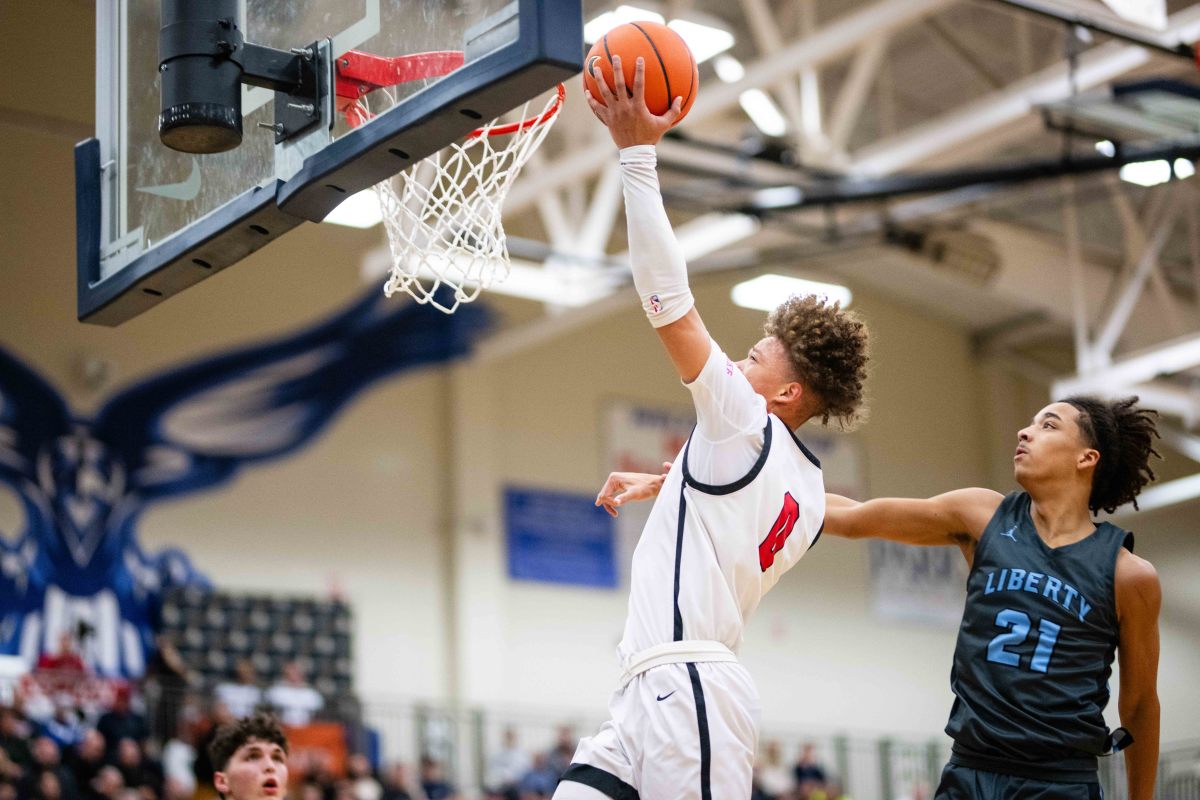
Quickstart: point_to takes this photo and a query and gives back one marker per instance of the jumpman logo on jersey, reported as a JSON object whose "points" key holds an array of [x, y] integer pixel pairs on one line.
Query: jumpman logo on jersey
{"points": [[1011, 533]]}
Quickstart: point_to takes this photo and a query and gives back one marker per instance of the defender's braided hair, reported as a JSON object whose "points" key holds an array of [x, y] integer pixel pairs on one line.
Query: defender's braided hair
{"points": [[1124, 435]]}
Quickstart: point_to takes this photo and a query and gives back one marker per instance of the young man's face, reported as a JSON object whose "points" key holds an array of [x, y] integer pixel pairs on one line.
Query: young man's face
{"points": [[767, 368], [256, 770], [1052, 446]]}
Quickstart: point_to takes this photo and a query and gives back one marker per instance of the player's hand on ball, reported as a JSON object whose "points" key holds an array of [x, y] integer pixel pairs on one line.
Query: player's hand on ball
{"points": [[625, 113], [624, 487]]}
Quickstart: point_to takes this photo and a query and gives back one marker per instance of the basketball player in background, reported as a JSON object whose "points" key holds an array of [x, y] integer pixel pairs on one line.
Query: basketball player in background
{"points": [[742, 504], [1049, 595], [249, 759]]}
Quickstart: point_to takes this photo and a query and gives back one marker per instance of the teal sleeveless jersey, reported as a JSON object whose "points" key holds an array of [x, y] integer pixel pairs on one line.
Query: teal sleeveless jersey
{"points": [[1035, 650]]}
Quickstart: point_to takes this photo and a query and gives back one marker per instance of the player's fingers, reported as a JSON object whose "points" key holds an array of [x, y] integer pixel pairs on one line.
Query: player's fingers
{"points": [[666, 467], [674, 112], [619, 90], [639, 80], [605, 93], [599, 109]]}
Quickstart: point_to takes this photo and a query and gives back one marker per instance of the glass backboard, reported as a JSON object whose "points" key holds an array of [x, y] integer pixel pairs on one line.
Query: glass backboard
{"points": [[153, 221]]}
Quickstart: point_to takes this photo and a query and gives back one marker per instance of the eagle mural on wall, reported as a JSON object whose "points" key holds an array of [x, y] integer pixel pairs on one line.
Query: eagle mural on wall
{"points": [[83, 484]]}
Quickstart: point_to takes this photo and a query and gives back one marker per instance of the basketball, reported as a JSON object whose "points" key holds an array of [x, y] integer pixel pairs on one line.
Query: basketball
{"points": [[670, 67]]}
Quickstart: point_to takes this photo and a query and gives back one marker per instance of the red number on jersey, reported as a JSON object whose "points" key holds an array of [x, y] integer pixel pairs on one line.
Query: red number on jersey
{"points": [[779, 533]]}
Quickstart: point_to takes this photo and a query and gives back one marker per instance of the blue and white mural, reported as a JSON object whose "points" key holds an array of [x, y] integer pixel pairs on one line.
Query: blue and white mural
{"points": [[83, 484]]}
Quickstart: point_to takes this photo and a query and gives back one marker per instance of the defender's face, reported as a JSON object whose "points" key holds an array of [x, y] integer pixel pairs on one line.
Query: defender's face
{"points": [[1052, 446], [256, 770], [767, 368]]}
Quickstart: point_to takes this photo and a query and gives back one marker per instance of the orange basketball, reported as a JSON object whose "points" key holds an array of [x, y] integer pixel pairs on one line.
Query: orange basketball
{"points": [[670, 68]]}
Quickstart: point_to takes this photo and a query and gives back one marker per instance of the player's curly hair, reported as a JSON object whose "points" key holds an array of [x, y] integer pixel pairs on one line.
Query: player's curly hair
{"points": [[261, 726], [827, 346], [1124, 435]]}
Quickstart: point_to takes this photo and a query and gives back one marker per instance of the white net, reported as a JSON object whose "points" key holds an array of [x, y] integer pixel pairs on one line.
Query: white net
{"points": [[443, 215]]}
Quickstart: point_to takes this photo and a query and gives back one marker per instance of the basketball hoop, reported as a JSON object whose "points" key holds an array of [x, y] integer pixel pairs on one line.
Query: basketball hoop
{"points": [[443, 214]]}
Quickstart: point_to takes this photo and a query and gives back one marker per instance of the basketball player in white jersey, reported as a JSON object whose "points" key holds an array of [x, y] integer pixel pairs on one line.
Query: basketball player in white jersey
{"points": [[743, 502]]}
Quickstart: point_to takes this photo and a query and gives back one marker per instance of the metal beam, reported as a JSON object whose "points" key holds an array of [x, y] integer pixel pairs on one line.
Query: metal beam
{"points": [[1165, 359], [950, 131], [833, 41], [1105, 22], [855, 90]]}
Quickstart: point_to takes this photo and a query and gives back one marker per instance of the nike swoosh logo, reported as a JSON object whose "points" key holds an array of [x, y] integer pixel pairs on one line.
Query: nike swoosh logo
{"points": [[662, 697], [184, 190]]}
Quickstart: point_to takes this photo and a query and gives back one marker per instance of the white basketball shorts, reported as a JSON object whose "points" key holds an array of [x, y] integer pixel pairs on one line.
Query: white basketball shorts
{"points": [[677, 732]]}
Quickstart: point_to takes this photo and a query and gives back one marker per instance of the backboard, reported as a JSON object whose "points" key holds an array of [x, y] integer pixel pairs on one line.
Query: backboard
{"points": [[153, 221]]}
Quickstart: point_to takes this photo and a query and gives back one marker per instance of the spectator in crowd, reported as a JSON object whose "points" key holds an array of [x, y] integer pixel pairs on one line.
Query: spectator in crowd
{"points": [[505, 768], [559, 757], [65, 727], [773, 780], [810, 775], [107, 785], [396, 783], [167, 682], [14, 737], [242, 695], [433, 780], [122, 722], [47, 787], [47, 758], [86, 759], [362, 778], [295, 700], [137, 771], [540, 781], [67, 659], [179, 761]]}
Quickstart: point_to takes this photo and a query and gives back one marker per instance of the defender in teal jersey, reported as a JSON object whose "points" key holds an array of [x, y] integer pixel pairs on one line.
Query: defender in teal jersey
{"points": [[1051, 595]]}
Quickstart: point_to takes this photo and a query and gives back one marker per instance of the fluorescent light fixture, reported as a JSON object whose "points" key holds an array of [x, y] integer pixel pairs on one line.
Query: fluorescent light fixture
{"points": [[763, 112], [359, 210], [1106, 148], [728, 69], [777, 197], [1146, 173], [595, 30], [766, 292], [1184, 168], [705, 41]]}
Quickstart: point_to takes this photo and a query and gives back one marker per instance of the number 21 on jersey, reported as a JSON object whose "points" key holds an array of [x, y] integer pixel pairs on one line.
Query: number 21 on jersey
{"points": [[779, 533]]}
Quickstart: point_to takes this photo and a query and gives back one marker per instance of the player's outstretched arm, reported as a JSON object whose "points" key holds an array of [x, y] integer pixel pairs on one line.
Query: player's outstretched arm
{"points": [[1139, 597], [627, 487], [957, 518], [659, 270]]}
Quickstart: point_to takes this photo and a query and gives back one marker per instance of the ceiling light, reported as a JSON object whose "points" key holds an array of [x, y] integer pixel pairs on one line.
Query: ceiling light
{"points": [[705, 41], [595, 30], [766, 292], [777, 197], [1106, 148], [1146, 173], [1184, 168], [763, 112], [728, 69], [360, 210]]}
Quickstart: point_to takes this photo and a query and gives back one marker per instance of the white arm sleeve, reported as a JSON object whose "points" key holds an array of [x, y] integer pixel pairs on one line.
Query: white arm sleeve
{"points": [[730, 418], [659, 270]]}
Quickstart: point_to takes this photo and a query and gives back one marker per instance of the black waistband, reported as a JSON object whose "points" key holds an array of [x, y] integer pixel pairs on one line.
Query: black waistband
{"points": [[1073, 770]]}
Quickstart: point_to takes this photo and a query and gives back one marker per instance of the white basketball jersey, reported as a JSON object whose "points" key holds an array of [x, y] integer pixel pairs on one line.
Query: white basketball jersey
{"points": [[708, 554]]}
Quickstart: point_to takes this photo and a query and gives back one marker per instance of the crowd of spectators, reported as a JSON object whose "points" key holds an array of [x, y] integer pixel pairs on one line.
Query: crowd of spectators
{"points": [[804, 779], [515, 774]]}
